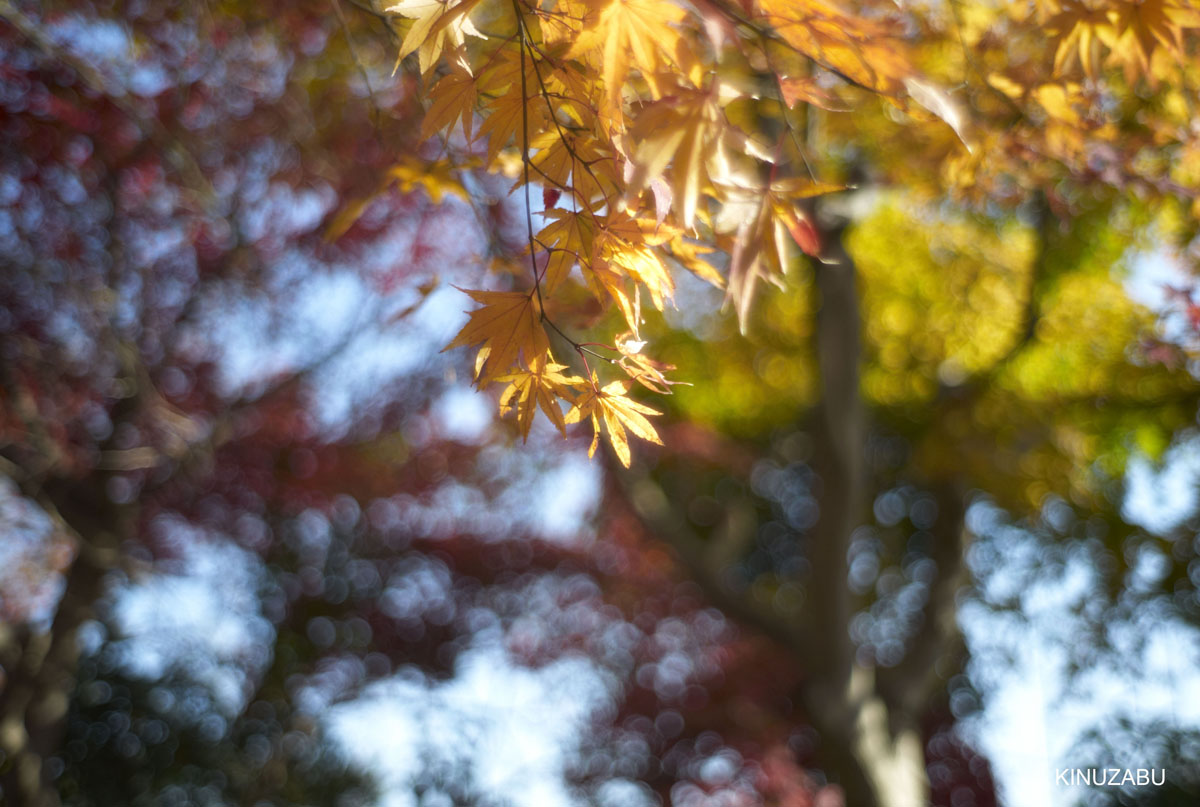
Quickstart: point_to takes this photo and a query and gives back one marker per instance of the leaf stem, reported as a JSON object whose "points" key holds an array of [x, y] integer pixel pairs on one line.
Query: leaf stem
{"points": [[537, 283], [582, 350]]}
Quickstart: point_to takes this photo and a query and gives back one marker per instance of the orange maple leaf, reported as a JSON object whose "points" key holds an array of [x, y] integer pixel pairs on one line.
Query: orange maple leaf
{"points": [[509, 326], [618, 413], [626, 34], [540, 386], [453, 99]]}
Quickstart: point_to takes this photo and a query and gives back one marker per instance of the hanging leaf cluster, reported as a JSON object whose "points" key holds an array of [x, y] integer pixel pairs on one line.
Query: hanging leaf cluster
{"points": [[677, 136]]}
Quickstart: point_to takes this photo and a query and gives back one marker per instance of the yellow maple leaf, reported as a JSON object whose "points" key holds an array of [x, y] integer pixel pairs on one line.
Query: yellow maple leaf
{"points": [[609, 285], [1079, 28], [622, 245], [1141, 27], [540, 386], [638, 230], [574, 88], [554, 162], [677, 129], [641, 368], [622, 251], [1061, 101], [436, 178], [438, 23], [688, 255], [618, 413], [568, 238], [620, 35], [452, 99], [563, 24], [514, 107], [509, 326]]}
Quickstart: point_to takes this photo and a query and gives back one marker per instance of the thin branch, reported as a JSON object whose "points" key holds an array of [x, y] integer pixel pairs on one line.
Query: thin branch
{"points": [[362, 70], [527, 163], [575, 158], [537, 283], [663, 519]]}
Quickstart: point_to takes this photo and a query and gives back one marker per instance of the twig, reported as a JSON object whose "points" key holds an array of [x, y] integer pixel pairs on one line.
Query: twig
{"points": [[362, 70]]}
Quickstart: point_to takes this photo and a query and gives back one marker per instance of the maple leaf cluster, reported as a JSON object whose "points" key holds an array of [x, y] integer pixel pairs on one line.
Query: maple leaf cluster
{"points": [[668, 135], [627, 113], [1091, 90], [1141, 37]]}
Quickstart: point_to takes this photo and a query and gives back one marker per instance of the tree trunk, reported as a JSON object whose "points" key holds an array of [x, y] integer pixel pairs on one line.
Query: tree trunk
{"points": [[39, 667], [877, 749], [869, 719]]}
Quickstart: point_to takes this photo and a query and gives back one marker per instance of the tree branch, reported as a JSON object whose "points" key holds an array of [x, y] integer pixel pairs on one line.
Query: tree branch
{"points": [[177, 152], [705, 560]]}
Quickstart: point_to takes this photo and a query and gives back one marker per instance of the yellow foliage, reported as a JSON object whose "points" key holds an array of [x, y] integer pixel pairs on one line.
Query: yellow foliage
{"points": [[669, 135], [509, 327]]}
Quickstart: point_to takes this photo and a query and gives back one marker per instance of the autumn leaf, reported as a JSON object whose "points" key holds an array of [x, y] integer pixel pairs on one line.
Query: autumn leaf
{"points": [[620, 35], [626, 244], [867, 53], [554, 162], [540, 386], [512, 111], [438, 23], [1132, 31], [345, 218], [1079, 27], [760, 246], [688, 255], [806, 89], [508, 325], [941, 103], [677, 129], [744, 262], [453, 99], [562, 27], [641, 368], [790, 189], [610, 406], [1060, 101], [568, 238], [608, 284], [1139, 28], [437, 178], [801, 229]]}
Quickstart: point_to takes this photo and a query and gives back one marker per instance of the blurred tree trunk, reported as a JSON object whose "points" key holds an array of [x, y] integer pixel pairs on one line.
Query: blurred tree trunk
{"points": [[874, 739], [40, 665], [869, 718]]}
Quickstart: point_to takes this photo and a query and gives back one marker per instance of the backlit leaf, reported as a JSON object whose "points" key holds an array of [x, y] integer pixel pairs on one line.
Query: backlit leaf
{"points": [[508, 325]]}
